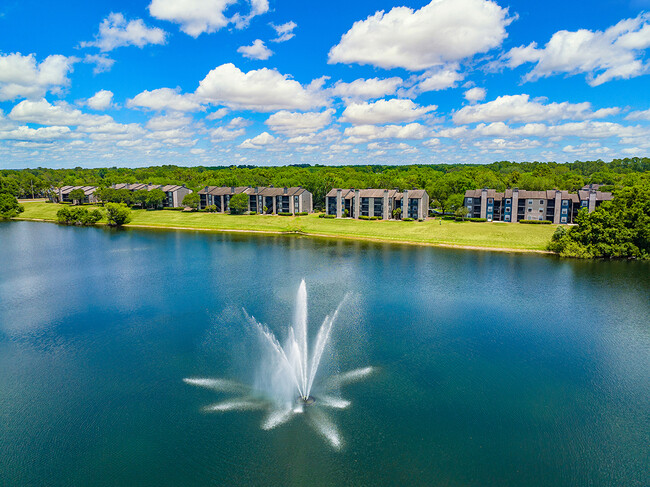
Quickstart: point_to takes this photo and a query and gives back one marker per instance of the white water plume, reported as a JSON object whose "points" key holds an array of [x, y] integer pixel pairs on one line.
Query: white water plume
{"points": [[287, 375]]}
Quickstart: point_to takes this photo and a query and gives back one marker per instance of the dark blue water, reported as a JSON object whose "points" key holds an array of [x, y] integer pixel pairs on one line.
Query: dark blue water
{"points": [[492, 369]]}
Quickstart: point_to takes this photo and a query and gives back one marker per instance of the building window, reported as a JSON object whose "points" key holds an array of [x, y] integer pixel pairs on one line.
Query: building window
{"points": [[564, 211], [541, 218], [530, 202], [490, 200], [508, 209], [508, 201], [563, 219], [469, 200], [565, 203], [541, 210], [541, 202], [530, 209]]}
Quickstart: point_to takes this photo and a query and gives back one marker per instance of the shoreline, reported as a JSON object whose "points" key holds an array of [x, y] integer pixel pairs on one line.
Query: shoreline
{"points": [[317, 235]]}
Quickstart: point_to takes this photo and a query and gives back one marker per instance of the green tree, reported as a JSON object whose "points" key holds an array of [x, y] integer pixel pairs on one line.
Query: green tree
{"points": [[461, 213], [155, 198], [238, 204], [191, 200], [616, 229], [77, 196], [140, 197], [9, 206], [117, 214]]}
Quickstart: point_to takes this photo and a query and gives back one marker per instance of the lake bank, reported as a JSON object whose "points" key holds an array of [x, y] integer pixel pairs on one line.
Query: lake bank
{"points": [[502, 237]]}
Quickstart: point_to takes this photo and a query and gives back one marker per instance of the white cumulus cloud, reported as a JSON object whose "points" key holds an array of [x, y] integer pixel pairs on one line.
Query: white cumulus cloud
{"points": [[395, 110], [284, 31], [520, 108], [165, 99], [43, 113], [204, 16], [475, 94], [101, 100], [115, 31], [259, 141], [367, 89], [23, 77], [366, 133], [262, 90], [602, 55], [293, 124], [441, 32], [639, 115], [255, 51]]}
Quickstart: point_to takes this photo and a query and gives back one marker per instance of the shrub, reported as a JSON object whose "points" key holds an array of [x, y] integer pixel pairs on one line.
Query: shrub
{"points": [[302, 213], [285, 213], [477, 219], [78, 216], [536, 222], [250, 212], [364, 217], [117, 214], [325, 215], [346, 213], [77, 195], [211, 208], [407, 219], [9, 206]]}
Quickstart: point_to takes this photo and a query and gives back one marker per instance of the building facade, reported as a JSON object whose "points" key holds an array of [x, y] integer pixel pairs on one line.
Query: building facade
{"points": [[515, 205], [381, 203], [62, 194], [261, 199], [174, 193]]}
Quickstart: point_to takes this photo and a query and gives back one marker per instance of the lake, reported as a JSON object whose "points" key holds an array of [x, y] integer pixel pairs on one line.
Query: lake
{"points": [[489, 369]]}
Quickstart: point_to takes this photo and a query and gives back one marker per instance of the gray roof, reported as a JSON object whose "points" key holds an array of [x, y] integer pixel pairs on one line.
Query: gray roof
{"points": [[147, 187], [349, 193], [548, 194], [251, 190], [88, 190]]}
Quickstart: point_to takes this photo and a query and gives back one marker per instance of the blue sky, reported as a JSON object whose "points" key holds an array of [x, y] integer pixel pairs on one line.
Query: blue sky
{"points": [[220, 82]]}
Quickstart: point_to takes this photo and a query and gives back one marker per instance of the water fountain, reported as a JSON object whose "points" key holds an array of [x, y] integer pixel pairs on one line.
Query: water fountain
{"points": [[287, 374]]}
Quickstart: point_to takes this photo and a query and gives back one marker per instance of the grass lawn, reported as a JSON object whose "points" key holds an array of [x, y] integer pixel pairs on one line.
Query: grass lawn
{"points": [[467, 234]]}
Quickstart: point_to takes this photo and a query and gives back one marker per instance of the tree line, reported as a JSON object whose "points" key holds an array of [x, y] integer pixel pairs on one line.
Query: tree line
{"points": [[445, 183]]}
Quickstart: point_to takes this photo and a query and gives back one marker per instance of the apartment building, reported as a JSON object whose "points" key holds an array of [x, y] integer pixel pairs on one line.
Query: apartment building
{"points": [[276, 200], [173, 192], [514, 205], [62, 194], [381, 203]]}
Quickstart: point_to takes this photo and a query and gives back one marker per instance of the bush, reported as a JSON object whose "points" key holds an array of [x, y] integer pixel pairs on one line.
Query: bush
{"points": [[325, 215], [252, 213], [118, 214], [346, 213], [302, 213], [78, 216], [211, 208], [9, 206], [476, 219], [536, 222], [407, 219], [285, 213]]}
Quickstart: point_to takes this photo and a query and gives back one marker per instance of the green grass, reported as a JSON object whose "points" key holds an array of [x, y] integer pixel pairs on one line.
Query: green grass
{"points": [[485, 235]]}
